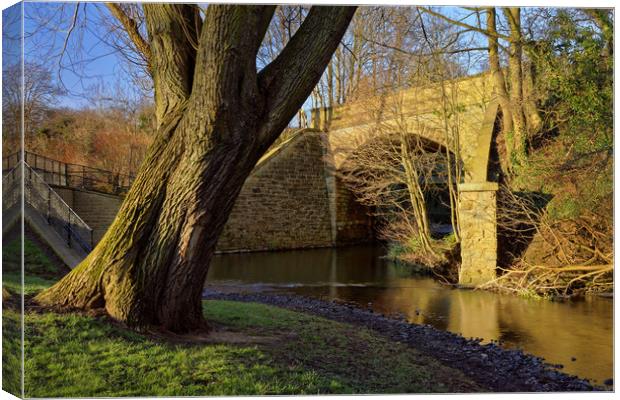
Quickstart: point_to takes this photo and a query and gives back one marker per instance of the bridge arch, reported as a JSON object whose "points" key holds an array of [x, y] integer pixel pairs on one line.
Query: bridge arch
{"points": [[477, 201], [407, 173], [353, 125]]}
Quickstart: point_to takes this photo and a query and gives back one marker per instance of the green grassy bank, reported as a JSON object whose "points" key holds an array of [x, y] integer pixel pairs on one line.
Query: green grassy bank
{"points": [[253, 349]]}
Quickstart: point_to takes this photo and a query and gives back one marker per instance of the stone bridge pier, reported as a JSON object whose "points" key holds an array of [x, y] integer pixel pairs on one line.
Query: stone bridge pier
{"points": [[478, 228], [477, 208]]}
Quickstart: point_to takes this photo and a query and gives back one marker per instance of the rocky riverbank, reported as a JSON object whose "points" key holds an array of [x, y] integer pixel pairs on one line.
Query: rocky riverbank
{"points": [[489, 365]]}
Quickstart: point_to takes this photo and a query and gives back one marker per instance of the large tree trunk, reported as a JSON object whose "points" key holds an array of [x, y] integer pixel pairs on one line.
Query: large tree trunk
{"points": [[216, 117]]}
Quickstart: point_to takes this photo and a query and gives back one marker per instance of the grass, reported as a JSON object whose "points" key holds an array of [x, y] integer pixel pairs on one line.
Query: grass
{"points": [[254, 349], [272, 351], [356, 360], [11, 351], [76, 356], [36, 262], [40, 271]]}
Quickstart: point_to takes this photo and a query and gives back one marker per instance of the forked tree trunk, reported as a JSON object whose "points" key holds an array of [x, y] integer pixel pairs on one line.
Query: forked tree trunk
{"points": [[216, 117]]}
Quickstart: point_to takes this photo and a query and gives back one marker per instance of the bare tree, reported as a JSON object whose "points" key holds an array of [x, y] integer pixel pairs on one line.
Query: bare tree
{"points": [[521, 117], [39, 91], [396, 168]]}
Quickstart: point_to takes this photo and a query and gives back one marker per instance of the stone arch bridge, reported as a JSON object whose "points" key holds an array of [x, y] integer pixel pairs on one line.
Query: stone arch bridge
{"points": [[469, 104], [293, 198]]}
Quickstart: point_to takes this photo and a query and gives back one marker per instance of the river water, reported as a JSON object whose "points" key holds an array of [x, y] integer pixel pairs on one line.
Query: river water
{"points": [[576, 334]]}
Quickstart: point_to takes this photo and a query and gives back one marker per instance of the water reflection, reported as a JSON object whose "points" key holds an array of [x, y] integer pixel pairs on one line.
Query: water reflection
{"points": [[558, 332]]}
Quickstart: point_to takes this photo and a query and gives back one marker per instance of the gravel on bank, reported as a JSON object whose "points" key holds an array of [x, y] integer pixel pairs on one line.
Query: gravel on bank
{"points": [[489, 365]]}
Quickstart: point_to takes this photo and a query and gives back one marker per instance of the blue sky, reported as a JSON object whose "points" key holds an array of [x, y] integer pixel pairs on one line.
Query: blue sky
{"points": [[46, 26], [87, 60], [11, 31]]}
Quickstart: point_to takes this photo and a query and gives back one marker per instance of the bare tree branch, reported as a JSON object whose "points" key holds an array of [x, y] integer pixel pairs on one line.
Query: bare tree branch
{"points": [[463, 24], [280, 79], [66, 42], [413, 53], [131, 26]]}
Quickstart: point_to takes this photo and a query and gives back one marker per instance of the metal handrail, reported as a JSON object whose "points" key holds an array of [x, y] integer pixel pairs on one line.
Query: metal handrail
{"points": [[9, 191], [55, 194], [56, 211], [76, 176]]}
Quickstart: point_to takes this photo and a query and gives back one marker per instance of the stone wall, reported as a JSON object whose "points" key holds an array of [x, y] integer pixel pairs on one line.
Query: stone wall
{"points": [[96, 209], [478, 228], [285, 204]]}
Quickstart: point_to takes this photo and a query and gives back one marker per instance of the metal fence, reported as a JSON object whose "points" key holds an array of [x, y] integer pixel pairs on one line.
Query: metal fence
{"points": [[75, 176], [11, 187], [58, 214]]}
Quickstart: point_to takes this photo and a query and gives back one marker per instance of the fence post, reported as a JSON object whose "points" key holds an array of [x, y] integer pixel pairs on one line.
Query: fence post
{"points": [[69, 230], [49, 205]]}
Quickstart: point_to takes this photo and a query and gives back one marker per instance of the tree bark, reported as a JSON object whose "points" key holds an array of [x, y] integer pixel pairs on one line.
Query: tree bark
{"points": [[172, 33], [513, 15], [532, 114], [499, 85], [216, 117]]}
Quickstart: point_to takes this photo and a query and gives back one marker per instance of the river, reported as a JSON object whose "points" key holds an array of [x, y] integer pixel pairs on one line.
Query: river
{"points": [[576, 334]]}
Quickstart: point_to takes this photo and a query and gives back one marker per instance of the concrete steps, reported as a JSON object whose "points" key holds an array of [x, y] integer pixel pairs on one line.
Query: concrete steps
{"points": [[70, 256]]}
